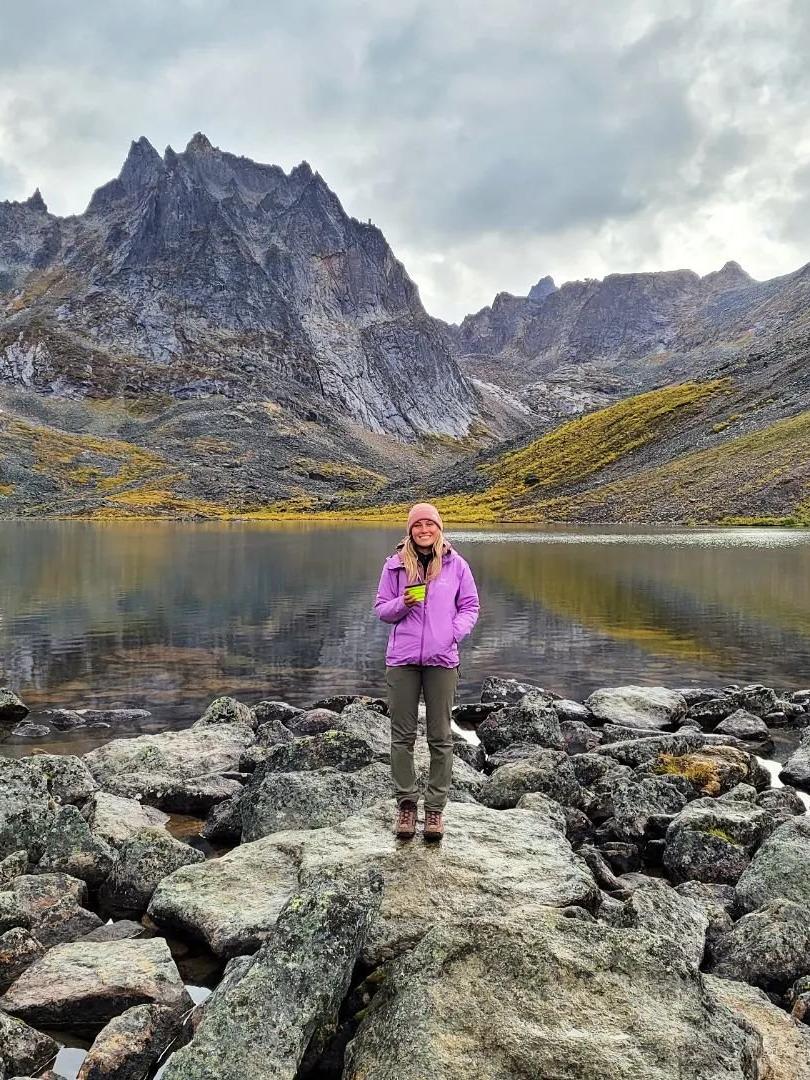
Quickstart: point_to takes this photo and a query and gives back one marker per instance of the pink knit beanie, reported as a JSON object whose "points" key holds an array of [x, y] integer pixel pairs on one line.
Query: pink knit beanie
{"points": [[424, 510]]}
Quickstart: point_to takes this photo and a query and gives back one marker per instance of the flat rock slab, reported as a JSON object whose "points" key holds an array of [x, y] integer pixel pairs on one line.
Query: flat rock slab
{"points": [[650, 707], [53, 907], [490, 861], [116, 819], [508, 999], [84, 984]]}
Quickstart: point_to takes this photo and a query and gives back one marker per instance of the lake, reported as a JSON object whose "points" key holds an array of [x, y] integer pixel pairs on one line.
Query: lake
{"points": [[168, 615]]}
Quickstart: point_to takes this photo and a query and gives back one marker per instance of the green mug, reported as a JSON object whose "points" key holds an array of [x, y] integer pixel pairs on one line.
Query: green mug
{"points": [[416, 591]]}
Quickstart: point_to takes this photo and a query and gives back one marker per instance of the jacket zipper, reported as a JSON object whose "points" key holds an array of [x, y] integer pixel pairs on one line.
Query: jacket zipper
{"points": [[424, 616]]}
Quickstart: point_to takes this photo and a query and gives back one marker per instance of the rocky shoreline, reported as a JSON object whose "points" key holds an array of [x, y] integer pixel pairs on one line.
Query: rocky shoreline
{"points": [[623, 890]]}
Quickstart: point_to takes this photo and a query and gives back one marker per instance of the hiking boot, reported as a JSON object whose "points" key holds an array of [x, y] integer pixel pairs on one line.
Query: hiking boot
{"points": [[405, 828], [434, 825]]}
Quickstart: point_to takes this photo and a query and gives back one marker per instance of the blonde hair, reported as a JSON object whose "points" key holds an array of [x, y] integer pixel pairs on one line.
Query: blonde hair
{"points": [[410, 558]]}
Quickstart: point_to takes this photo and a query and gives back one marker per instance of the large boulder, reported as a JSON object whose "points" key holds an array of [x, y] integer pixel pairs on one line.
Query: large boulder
{"points": [[262, 1022], [115, 819], [332, 749], [27, 810], [85, 984], [71, 848], [67, 778], [796, 769], [142, 863], [745, 725], [131, 1044], [547, 771], [785, 1053], [713, 770], [23, 1050], [53, 906], [177, 771], [780, 868], [510, 998], [711, 840], [669, 915], [12, 708], [18, 950], [644, 807], [637, 751], [277, 801], [510, 691], [227, 710], [490, 861], [769, 947], [650, 707], [532, 720]]}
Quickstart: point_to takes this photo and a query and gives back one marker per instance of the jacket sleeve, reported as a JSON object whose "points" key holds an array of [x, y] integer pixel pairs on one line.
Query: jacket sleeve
{"points": [[389, 605], [467, 606]]}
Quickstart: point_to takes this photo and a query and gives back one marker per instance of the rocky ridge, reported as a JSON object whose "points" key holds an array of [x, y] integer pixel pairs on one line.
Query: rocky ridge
{"points": [[630, 846]]}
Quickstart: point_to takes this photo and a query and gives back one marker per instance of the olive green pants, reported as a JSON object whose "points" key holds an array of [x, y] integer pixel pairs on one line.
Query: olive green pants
{"points": [[405, 684]]}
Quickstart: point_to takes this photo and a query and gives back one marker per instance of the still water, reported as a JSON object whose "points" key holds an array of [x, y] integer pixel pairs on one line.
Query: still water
{"points": [[166, 616]]}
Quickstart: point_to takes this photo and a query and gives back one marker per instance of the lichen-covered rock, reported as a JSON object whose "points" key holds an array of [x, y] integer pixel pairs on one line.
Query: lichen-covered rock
{"points": [[276, 801], [18, 950], [470, 753], [26, 808], [714, 770], [710, 711], [329, 749], [718, 903], [796, 769], [130, 1044], [178, 771], [643, 808], [357, 719], [260, 1025], [756, 698], [531, 720], [505, 999], [267, 711], [744, 725], [769, 947], [52, 904], [574, 711], [119, 930], [713, 841], [13, 866], [547, 771], [273, 732], [12, 912], [116, 819], [782, 803], [68, 779], [651, 707], [510, 691], [85, 984], [637, 751], [12, 708], [785, 1052], [489, 861], [224, 822], [667, 914], [547, 808], [71, 848], [227, 710], [142, 863], [578, 737], [798, 999], [780, 868], [22, 1049]]}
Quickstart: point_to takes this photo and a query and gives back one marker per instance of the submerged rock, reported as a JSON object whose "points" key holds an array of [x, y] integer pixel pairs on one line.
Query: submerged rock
{"points": [[650, 707], [85, 984], [260, 1025], [505, 999]]}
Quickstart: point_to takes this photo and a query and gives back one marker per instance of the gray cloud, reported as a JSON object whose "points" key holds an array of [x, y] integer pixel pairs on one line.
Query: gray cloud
{"points": [[491, 143]]}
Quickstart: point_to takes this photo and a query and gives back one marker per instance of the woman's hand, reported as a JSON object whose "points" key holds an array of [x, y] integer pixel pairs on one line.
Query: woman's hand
{"points": [[410, 600]]}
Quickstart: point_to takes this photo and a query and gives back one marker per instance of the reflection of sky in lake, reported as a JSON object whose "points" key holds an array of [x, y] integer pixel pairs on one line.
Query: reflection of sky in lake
{"points": [[167, 615]]}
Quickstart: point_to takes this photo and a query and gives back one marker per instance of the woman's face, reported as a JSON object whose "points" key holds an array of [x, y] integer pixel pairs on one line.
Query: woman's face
{"points": [[424, 532]]}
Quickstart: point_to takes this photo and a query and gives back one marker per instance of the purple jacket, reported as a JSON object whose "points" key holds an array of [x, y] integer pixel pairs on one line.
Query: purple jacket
{"points": [[427, 633]]}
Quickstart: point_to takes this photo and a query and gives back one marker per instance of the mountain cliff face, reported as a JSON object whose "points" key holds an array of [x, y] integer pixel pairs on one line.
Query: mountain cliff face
{"points": [[204, 273]]}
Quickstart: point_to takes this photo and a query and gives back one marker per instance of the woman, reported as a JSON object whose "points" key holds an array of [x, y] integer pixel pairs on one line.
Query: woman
{"points": [[427, 591]]}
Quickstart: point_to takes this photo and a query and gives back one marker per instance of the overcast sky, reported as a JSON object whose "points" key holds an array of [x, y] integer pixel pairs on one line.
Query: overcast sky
{"points": [[493, 142]]}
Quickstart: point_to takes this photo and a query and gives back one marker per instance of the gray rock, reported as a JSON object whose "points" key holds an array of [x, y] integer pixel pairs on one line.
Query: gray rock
{"points": [[178, 771], [22, 1049], [650, 707], [267, 711], [53, 909], [756, 698], [27, 730], [490, 861], [142, 863], [224, 822], [116, 819], [274, 731], [785, 1052], [12, 708], [711, 711], [26, 808], [329, 749], [67, 778], [356, 719], [552, 813], [713, 841], [796, 769], [494, 999], [473, 712], [547, 771], [71, 848], [644, 808], [18, 950], [612, 733], [130, 1044], [262, 1024], [590, 769], [782, 803], [744, 725], [573, 710], [712, 770], [531, 720], [798, 998], [667, 914], [780, 868], [718, 904], [470, 753], [309, 800], [13, 866], [314, 721], [769, 947], [511, 691], [578, 737], [636, 752], [84, 984], [740, 793], [227, 710], [117, 931]]}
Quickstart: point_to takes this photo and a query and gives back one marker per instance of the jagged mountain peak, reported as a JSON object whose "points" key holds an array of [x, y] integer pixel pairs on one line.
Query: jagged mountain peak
{"points": [[544, 287], [729, 274], [36, 202], [199, 144]]}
